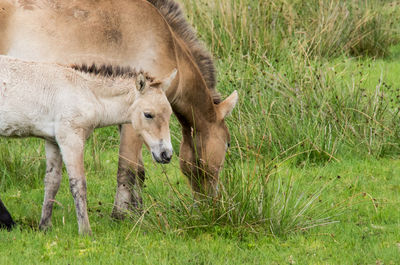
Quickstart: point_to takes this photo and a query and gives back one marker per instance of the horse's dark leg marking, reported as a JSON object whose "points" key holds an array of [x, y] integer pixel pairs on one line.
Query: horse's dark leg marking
{"points": [[52, 182], [131, 174], [71, 144]]}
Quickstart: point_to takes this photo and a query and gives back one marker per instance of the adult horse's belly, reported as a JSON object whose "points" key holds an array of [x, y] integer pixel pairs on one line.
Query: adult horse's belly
{"points": [[130, 33]]}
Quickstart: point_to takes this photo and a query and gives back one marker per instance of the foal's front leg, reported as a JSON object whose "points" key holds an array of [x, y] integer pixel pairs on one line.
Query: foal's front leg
{"points": [[71, 143], [52, 182]]}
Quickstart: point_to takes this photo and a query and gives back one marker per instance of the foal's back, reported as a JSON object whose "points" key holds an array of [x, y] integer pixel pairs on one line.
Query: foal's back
{"points": [[32, 95], [22, 79]]}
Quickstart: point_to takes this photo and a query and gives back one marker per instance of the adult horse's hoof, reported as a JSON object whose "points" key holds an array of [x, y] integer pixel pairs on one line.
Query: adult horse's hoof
{"points": [[43, 226]]}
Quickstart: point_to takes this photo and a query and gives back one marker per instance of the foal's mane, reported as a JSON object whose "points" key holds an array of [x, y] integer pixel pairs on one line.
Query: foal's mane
{"points": [[108, 70], [174, 16]]}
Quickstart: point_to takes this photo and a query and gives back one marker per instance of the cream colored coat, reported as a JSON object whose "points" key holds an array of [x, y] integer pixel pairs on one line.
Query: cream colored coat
{"points": [[63, 106]]}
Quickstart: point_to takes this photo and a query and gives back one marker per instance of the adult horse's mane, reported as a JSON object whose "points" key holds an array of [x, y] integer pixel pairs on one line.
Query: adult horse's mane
{"points": [[174, 16], [110, 71]]}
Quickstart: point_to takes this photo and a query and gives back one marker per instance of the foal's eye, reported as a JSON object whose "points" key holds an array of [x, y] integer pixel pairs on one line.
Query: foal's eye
{"points": [[229, 144], [148, 115]]}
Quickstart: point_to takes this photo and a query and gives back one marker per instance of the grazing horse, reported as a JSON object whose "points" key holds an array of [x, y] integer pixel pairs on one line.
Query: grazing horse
{"points": [[152, 35], [63, 105]]}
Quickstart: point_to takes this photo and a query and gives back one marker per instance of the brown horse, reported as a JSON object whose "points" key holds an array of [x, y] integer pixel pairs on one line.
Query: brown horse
{"points": [[152, 35]]}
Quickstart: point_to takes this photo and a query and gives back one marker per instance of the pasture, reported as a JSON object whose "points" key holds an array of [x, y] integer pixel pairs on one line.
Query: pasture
{"points": [[313, 172]]}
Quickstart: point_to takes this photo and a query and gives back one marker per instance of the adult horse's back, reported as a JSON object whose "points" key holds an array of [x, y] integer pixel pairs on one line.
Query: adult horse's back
{"points": [[152, 35]]}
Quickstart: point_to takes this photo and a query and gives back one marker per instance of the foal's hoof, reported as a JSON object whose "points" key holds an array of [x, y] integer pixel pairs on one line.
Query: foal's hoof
{"points": [[45, 229]]}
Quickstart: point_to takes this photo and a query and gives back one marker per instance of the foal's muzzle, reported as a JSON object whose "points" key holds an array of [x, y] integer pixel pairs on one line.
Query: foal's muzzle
{"points": [[162, 153], [164, 157]]}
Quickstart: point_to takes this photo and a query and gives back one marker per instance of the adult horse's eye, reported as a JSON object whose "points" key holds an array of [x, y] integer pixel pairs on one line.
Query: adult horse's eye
{"points": [[148, 115]]}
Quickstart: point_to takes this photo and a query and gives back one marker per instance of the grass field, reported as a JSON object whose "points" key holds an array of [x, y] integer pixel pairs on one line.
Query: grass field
{"points": [[313, 173]]}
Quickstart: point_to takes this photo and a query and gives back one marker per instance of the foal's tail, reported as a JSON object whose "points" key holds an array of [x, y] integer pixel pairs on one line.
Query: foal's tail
{"points": [[6, 220]]}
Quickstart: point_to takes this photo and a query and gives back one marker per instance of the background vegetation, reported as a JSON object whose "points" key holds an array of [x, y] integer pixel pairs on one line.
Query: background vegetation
{"points": [[313, 173]]}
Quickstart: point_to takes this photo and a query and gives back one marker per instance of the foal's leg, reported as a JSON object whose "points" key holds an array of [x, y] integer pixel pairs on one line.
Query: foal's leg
{"points": [[71, 144], [130, 174], [52, 182]]}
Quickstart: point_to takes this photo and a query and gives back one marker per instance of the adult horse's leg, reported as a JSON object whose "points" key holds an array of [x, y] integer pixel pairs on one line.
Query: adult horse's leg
{"points": [[52, 182], [6, 220], [71, 143], [130, 174]]}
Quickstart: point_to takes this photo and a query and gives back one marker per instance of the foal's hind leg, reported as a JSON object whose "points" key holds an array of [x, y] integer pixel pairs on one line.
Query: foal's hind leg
{"points": [[130, 175], [51, 182]]}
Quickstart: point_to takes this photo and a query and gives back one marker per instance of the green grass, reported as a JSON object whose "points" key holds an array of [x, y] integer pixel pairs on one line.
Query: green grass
{"points": [[313, 172], [367, 228]]}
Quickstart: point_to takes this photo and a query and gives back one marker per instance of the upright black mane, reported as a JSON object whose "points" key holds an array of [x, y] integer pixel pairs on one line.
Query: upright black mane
{"points": [[105, 70], [110, 70]]}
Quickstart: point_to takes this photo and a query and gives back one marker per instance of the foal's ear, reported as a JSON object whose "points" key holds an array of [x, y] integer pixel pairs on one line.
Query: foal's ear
{"points": [[140, 82], [166, 82], [225, 107]]}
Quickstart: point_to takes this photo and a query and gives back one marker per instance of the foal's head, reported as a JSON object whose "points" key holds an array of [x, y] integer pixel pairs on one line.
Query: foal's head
{"points": [[151, 114]]}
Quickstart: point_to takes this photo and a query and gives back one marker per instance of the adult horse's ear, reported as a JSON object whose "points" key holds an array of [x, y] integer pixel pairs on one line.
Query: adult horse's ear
{"points": [[166, 82], [140, 82], [225, 107]]}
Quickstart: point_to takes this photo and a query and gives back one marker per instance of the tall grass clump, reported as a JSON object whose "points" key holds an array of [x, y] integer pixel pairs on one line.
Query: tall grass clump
{"points": [[254, 197]]}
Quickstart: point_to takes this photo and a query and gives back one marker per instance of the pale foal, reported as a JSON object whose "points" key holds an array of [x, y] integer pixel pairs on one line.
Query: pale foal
{"points": [[63, 105]]}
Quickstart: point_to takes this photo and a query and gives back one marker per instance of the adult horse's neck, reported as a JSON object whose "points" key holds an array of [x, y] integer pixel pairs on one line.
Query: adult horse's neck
{"points": [[192, 102]]}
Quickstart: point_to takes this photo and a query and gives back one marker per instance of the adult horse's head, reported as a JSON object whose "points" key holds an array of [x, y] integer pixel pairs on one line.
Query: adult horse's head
{"points": [[203, 149], [151, 114]]}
